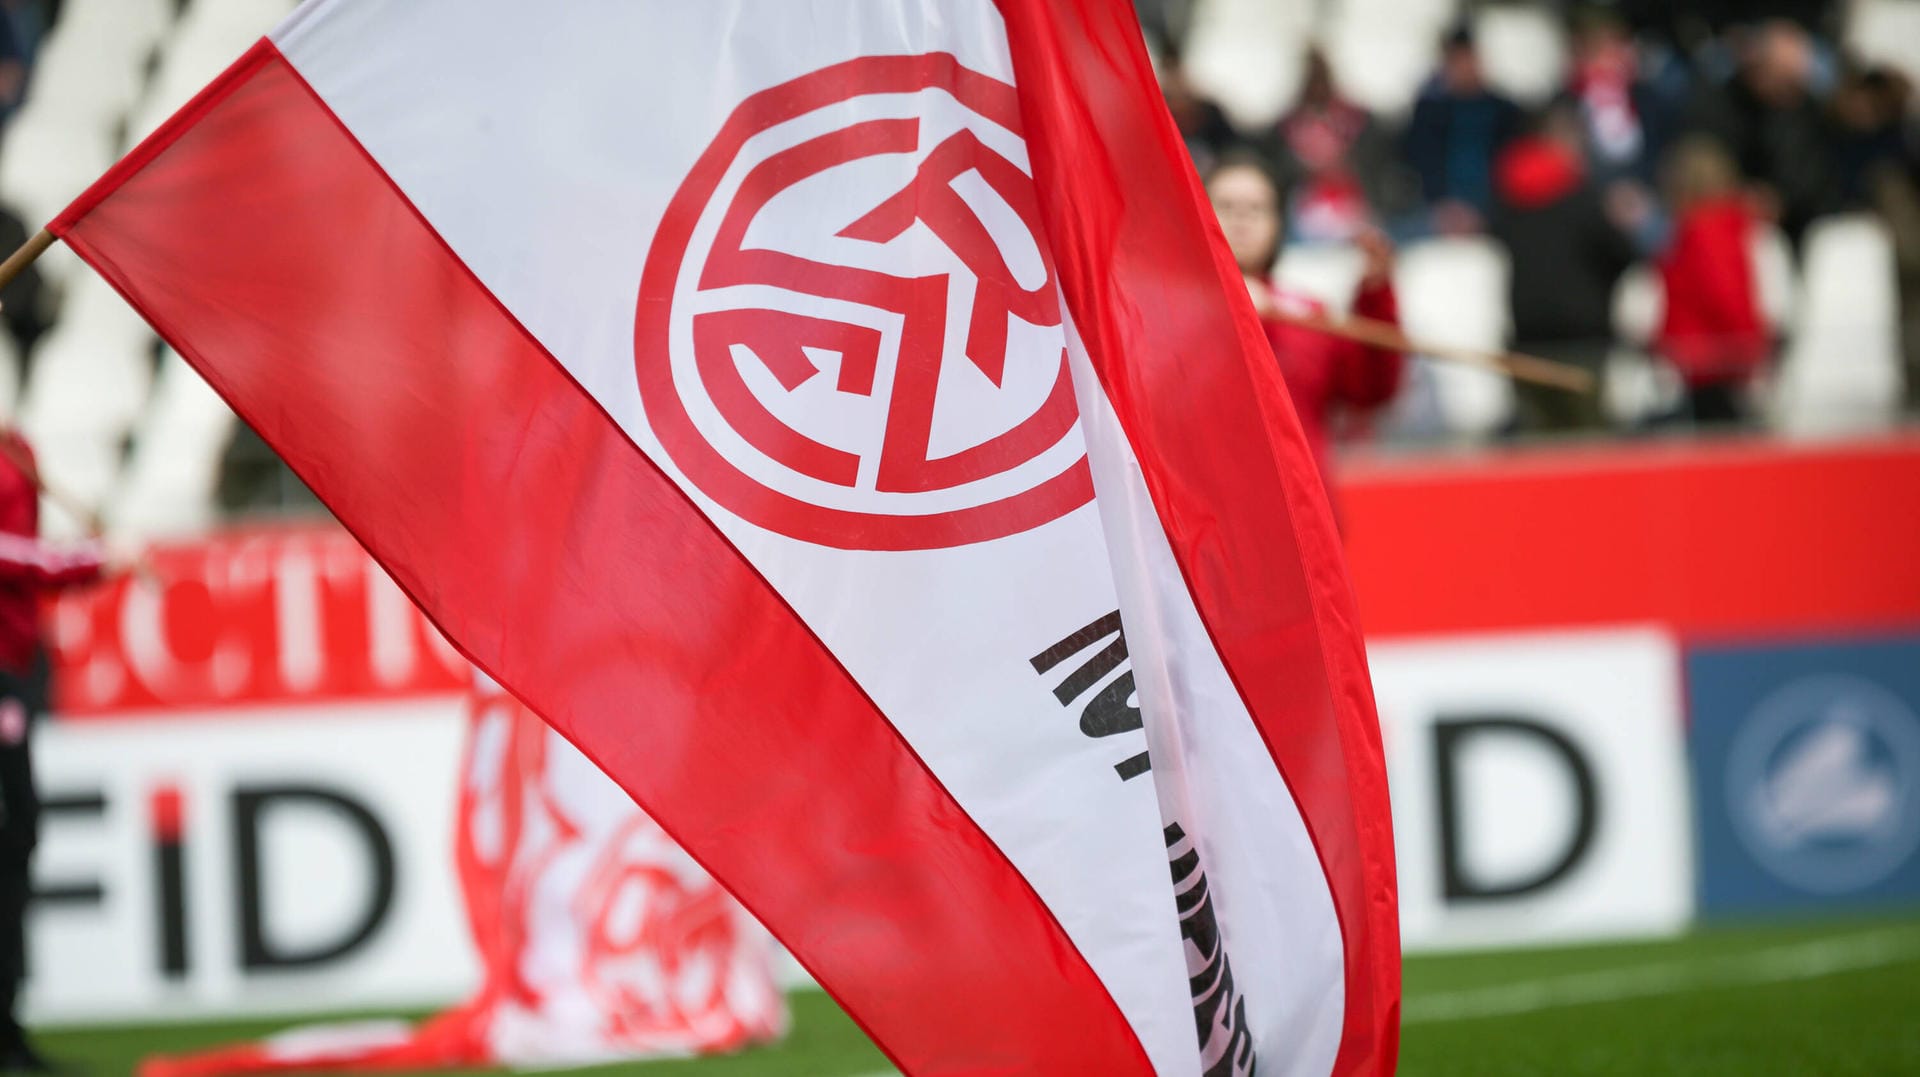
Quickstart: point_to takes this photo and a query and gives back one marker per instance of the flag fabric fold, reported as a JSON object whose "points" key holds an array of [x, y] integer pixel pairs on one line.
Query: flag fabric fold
{"points": [[857, 393]]}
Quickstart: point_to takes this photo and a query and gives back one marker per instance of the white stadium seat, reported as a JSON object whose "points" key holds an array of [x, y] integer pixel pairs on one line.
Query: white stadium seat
{"points": [[170, 481], [1324, 271], [45, 163], [112, 23], [1774, 276], [1886, 32], [1638, 301], [1247, 55], [1432, 14], [209, 37], [1841, 370], [1453, 292], [94, 369], [80, 79], [1382, 65], [1524, 51]]}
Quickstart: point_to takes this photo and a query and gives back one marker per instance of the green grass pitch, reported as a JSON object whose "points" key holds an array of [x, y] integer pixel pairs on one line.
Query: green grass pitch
{"points": [[1830, 1000]]}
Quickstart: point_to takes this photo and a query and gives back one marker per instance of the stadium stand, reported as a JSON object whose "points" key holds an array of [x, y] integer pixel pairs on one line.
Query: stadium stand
{"points": [[128, 429]]}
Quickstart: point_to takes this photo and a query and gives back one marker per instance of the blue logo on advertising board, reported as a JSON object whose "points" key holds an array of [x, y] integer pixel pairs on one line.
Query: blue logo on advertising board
{"points": [[1807, 766]]}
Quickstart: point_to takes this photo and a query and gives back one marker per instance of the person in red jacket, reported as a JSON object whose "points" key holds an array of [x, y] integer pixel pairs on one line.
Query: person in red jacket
{"points": [[29, 570], [1328, 377], [1711, 329]]}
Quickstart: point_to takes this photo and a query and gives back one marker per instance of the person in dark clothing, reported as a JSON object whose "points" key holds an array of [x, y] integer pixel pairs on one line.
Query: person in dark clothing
{"points": [[1685, 21], [28, 570], [13, 64], [1894, 193], [1567, 253], [1165, 22], [1770, 119], [1869, 114], [22, 302], [1458, 128]]}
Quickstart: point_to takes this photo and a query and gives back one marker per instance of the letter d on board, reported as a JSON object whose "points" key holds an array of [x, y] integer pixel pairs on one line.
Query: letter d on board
{"points": [[1450, 735], [250, 805]]}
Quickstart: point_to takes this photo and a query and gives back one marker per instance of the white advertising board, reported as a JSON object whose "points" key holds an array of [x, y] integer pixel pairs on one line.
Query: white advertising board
{"points": [[1540, 789], [287, 859]]}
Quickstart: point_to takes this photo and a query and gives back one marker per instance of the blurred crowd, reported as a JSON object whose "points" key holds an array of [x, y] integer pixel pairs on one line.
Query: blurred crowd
{"points": [[1681, 128], [1682, 136]]}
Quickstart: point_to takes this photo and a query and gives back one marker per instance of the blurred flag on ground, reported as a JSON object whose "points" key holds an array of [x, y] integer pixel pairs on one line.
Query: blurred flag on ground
{"points": [[853, 391], [599, 939]]}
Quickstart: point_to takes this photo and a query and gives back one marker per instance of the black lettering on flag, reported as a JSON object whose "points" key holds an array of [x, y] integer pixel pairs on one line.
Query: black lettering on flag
{"points": [[1219, 1009], [1109, 710]]}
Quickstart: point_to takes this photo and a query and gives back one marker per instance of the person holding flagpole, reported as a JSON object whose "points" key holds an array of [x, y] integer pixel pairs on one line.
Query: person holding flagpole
{"points": [[29, 570], [1326, 375]]}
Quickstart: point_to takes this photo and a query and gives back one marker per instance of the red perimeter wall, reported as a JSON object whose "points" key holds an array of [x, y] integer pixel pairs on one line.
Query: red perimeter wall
{"points": [[1719, 541]]}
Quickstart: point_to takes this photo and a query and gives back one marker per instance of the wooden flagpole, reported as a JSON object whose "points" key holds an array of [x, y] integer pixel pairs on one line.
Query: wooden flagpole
{"points": [[19, 260], [1381, 334]]}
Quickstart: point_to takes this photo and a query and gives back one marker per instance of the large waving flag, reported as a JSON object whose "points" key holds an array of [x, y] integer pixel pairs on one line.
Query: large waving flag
{"points": [[855, 391]]}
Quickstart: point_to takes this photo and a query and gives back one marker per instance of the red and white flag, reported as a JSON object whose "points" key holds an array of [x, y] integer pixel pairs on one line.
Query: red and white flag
{"points": [[861, 393]]}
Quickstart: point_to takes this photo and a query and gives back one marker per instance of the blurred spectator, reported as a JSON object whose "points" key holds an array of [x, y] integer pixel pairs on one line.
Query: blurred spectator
{"points": [[22, 303], [1895, 196], [1329, 379], [1627, 117], [1877, 165], [1770, 119], [1686, 21], [1203, 127], [1711, 328], [1165, 23], [1567, 251], [1458, 128], [29, 21], [1333, 161], [1869, 108], [29, 571], [13, 65]]}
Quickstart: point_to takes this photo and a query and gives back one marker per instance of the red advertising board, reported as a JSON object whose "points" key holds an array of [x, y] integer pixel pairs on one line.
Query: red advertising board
{"points": [[249, 617]]}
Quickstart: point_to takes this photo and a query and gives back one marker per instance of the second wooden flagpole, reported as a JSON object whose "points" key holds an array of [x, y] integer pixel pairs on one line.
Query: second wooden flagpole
{"points": [[1381, 334]]}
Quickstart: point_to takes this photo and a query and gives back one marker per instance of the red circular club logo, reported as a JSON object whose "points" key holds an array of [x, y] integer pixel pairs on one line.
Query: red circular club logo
{"points": [[848, 328]]}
